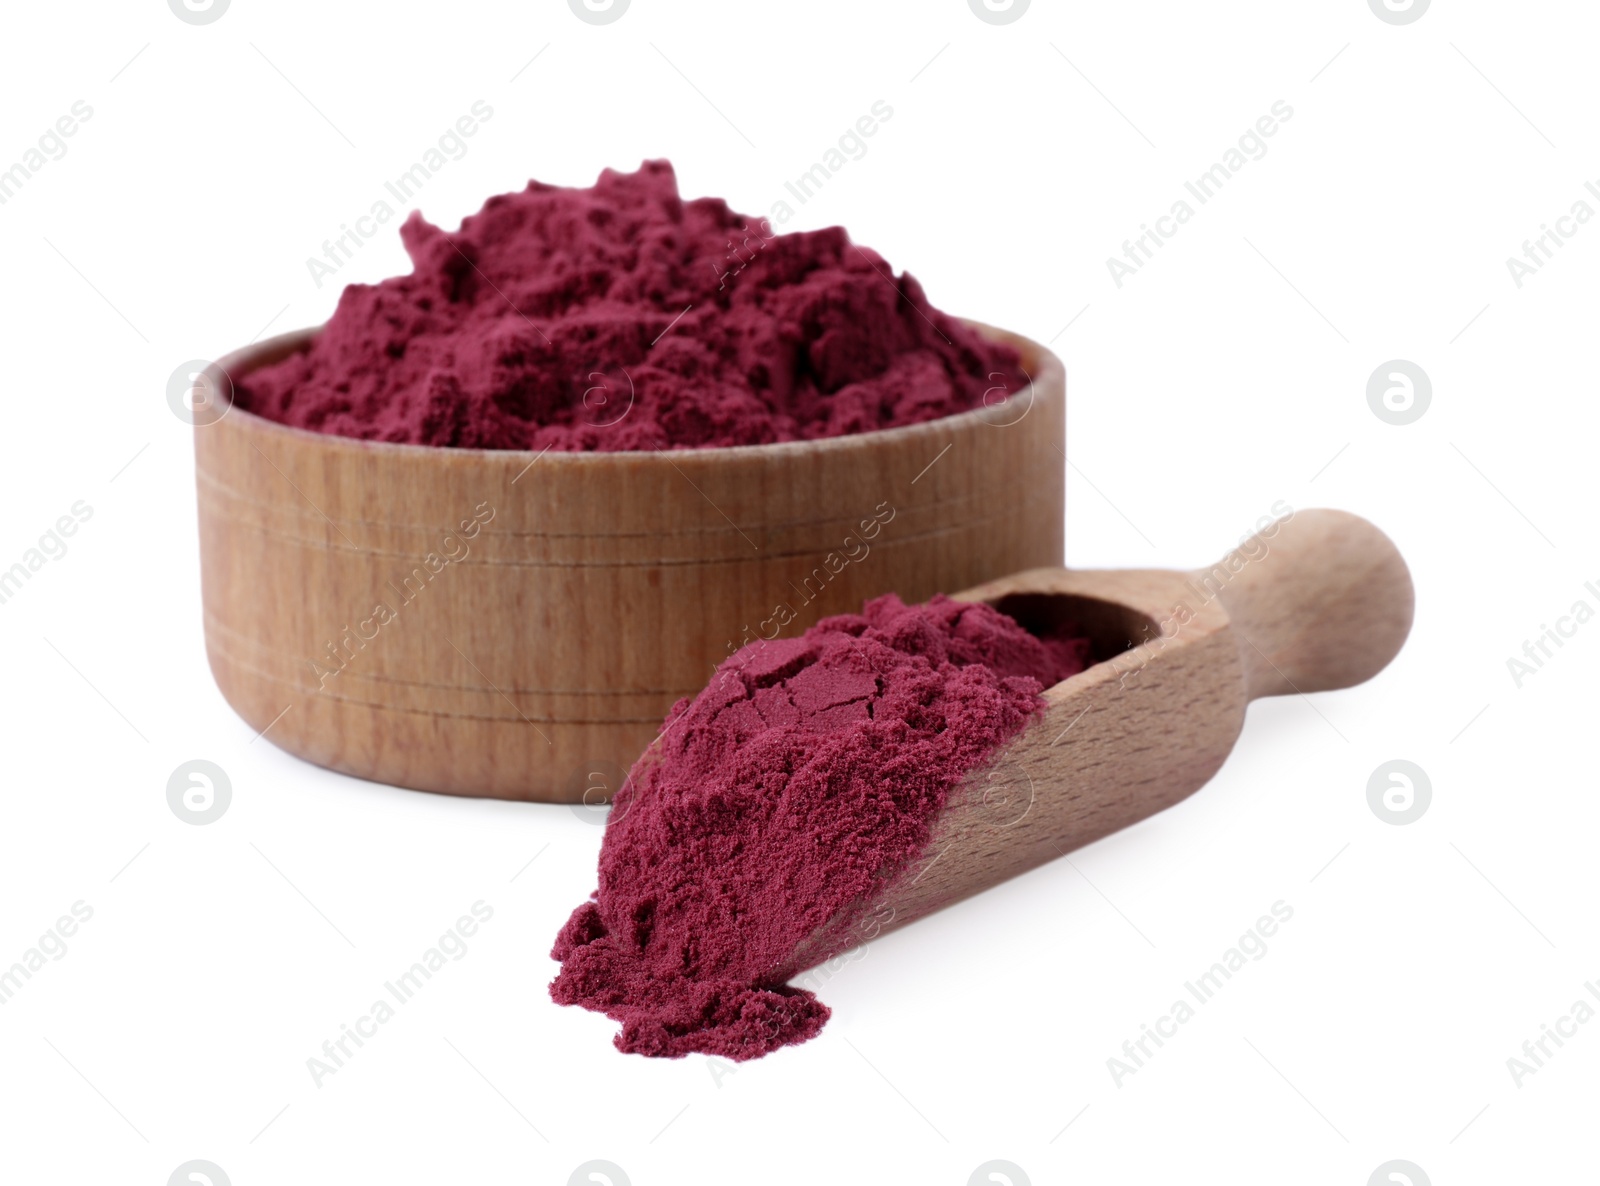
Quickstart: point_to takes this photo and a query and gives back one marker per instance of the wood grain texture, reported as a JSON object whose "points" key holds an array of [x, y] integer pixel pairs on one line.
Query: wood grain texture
{"points": [[540, 614], [1319, 600]]}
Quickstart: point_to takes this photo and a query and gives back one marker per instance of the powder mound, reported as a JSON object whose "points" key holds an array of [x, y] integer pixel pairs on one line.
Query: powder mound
{"points": [[803, 779], [623, 318]]}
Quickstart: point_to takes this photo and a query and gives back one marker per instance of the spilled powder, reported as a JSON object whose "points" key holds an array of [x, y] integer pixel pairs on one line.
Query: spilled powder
{"points": [[621, 318], [800, 782]]}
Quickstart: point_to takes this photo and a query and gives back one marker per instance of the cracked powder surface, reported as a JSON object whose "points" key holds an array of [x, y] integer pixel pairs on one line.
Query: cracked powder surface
{"points": [[804, 778]]}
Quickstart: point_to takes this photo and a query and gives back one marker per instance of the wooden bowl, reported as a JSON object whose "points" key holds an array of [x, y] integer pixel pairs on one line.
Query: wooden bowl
{"points": [[511, 624]]}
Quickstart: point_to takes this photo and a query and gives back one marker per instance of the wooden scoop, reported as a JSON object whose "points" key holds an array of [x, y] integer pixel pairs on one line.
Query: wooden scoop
{"points": [[1319, 600]]}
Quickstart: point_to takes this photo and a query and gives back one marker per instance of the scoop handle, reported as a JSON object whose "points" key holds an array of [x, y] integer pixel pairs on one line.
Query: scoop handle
{"points": [[1321, 599]]}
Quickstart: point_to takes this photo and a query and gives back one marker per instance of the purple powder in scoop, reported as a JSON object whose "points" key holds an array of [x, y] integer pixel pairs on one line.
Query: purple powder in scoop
{"points": [[805, 777]]}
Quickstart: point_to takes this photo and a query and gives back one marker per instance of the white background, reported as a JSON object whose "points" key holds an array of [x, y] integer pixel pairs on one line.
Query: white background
{"points": [[1229, 373]]}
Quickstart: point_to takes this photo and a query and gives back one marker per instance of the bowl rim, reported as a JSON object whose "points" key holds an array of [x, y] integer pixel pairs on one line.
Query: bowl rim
{"points": [[248, 357]]}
